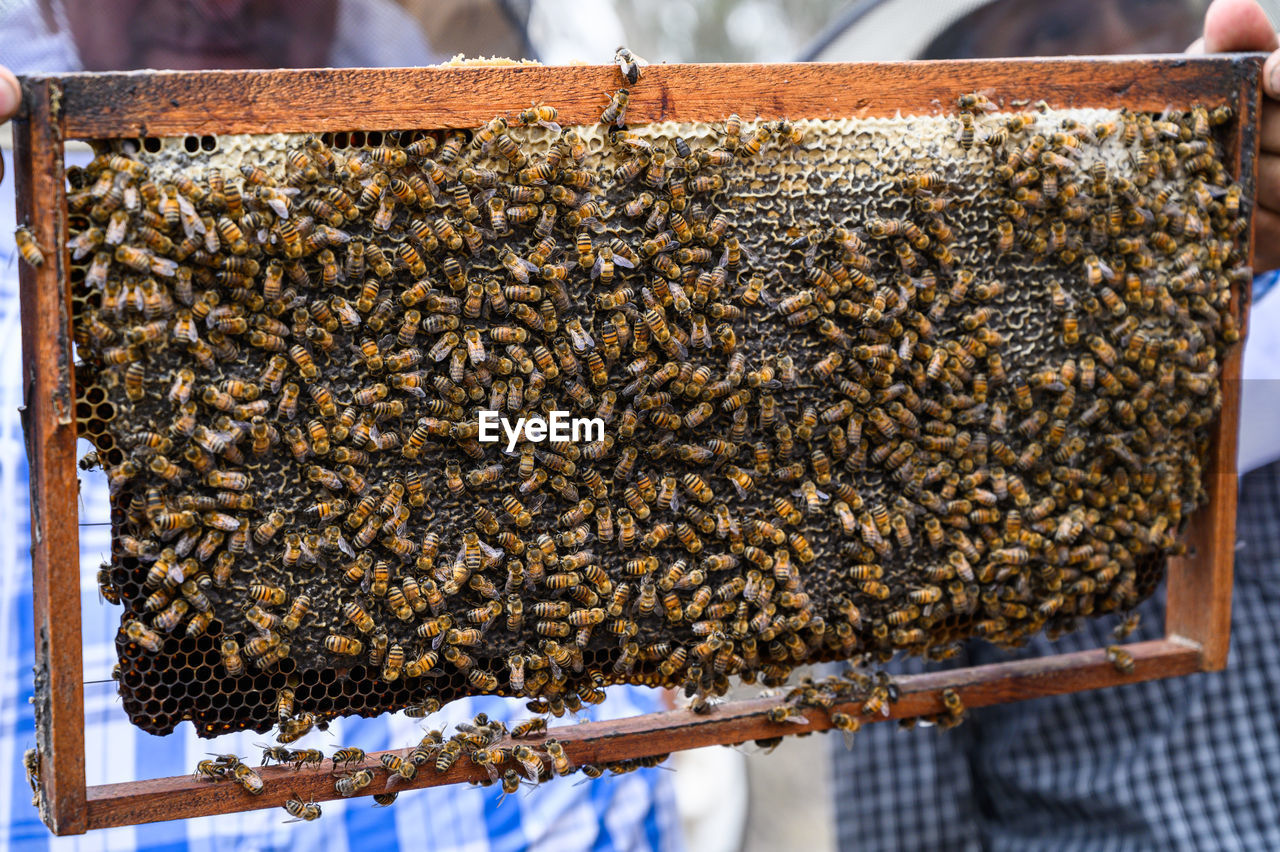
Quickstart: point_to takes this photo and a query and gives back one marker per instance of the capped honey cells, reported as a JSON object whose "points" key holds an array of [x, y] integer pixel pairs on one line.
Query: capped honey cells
{"points": [[868, 386]]}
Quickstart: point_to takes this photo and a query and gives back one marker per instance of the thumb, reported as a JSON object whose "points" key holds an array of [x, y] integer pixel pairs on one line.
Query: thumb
{"points": [[1231, 25], [10, 94]]}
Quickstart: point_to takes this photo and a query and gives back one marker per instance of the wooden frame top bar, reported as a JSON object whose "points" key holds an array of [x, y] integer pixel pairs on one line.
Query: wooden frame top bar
{"points": [[162, 103]]}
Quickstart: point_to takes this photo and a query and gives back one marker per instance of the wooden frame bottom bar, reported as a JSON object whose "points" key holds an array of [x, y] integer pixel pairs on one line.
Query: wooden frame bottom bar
{"points": [[162, 799]]}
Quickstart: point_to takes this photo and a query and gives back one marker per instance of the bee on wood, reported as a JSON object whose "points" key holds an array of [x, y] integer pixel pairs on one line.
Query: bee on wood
{"points": [[301, 811], [28, 248], [616, 111], [629, 66], [350, 785]]}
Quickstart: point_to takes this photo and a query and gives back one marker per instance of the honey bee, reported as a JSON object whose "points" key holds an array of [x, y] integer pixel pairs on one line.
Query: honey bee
{"points": [[616, 111], [248, 779], [1120, 659], [350, 785], [30, 250], [301, 811], [542, 115], [629, 65]]}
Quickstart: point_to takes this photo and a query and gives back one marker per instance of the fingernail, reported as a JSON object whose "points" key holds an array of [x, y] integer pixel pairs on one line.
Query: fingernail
{"points": [[1273, 80]]}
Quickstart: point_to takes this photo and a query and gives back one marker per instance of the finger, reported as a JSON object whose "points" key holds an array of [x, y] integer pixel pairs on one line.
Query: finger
{"points": [[1269, 131], [1196, 46], [1271, 75], [1266, 240], [1237, 25], [10, 94], [1269, 181]]}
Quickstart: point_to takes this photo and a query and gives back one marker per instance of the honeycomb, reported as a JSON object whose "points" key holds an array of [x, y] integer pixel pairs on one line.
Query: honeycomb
{"points": [[867, 386]]}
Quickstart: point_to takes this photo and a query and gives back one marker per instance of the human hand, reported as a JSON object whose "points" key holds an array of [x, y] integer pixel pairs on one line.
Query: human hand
{"points": [[10, 94], [10, 97], [1232, 25]]}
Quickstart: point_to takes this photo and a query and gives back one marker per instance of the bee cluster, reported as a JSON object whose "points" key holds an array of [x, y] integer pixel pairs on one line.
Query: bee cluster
{"points": [[482, 742], [869, 386]]}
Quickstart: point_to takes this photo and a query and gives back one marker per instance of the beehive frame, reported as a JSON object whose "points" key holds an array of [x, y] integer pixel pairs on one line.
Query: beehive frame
{"points": [[175, 104]]}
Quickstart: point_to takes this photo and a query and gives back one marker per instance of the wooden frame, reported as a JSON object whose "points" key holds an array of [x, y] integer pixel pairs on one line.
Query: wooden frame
{"points": [[86, 106]]}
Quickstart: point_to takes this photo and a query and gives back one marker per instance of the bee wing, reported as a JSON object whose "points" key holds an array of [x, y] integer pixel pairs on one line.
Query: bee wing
{"points": [[281, 208], [191, 222], [622, 260], [334, 235], [595, 269], [584, 780], [164, 267], [518, 272], [523, 263], [550, 125], [532, 766]]}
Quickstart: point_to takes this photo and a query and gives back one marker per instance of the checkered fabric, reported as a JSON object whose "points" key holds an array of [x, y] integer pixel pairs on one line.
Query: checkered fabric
{"points": [[1190, 763]]}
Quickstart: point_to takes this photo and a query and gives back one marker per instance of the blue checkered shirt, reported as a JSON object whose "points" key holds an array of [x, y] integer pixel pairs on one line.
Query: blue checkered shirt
{"points": [[1190, 763]]}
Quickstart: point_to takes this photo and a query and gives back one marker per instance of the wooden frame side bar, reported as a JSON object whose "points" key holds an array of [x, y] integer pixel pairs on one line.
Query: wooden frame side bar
{"points": [[1199, 591], [152, 103], [50, 427], [654, 734]]}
